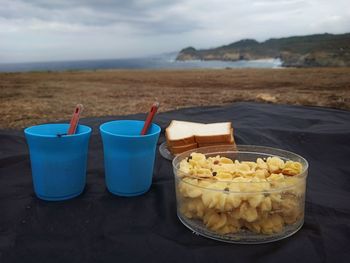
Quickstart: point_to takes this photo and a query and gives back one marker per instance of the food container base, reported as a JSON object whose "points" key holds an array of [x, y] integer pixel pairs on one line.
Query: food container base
{"points": [[244, 236]]}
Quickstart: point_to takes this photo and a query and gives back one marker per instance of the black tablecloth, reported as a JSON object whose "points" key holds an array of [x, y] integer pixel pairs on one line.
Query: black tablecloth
{"points": [[100, 227]]}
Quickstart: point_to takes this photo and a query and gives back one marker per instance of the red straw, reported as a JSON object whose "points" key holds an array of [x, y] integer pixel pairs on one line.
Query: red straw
{"points": [[149, 118], [75, 119]]}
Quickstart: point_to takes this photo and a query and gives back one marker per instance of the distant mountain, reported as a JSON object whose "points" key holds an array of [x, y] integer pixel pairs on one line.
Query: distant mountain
{"points": [[321, 50]]}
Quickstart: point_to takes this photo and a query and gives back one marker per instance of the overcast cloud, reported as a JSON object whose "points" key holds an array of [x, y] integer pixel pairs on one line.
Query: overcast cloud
{"points": [[47, 30]]}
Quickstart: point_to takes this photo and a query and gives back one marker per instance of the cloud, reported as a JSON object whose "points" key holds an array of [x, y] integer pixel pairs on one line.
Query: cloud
{"points": [[86, 29], [146, 15]]}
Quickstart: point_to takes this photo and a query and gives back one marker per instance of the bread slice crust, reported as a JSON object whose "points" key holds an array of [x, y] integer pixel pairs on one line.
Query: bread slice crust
{"points": [[180, 149]]}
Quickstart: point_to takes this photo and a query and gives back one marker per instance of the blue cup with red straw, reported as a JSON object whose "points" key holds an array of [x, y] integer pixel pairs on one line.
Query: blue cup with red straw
{"points": [[58, 159], [129, 154]]}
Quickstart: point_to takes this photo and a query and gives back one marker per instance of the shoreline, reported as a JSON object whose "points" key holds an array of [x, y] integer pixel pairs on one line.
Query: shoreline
{"points": [[139, 69], [135, 64]]}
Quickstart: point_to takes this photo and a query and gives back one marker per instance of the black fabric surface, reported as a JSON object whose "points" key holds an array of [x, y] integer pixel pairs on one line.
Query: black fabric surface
{"points": [[100, 227]]}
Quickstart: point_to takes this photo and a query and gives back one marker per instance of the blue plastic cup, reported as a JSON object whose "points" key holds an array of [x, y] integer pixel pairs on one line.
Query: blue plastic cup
{"points": [[128, 156], [58, 161]]}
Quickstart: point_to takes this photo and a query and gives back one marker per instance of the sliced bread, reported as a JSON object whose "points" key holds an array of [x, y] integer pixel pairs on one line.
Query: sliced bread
{"points": [[232, 141], [182, 135], [214, 132]]}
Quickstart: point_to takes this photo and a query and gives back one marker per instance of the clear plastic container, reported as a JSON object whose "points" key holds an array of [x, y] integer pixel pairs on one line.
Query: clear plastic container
{"points": [[237, 211]]}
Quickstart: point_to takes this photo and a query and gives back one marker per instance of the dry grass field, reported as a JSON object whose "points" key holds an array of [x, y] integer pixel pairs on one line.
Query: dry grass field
{"points": [[38, 97]]}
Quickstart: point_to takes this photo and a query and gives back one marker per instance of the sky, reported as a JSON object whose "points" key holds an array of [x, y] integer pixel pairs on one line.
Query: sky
{"points": [[58, 30]]}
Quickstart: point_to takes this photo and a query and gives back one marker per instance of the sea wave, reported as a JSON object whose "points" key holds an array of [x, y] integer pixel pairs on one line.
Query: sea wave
{"points": [[156, 62]]}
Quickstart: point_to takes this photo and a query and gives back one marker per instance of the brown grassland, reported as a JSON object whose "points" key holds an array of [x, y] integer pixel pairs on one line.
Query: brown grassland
{"points": [[38, 97]]}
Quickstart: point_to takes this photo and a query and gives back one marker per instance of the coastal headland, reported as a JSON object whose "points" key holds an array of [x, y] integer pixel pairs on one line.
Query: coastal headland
{"points": [[320, 50]]}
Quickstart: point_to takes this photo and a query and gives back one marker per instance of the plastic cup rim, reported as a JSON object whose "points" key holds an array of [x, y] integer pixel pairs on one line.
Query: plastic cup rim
{"points": [[27, 131], [103, 130]]}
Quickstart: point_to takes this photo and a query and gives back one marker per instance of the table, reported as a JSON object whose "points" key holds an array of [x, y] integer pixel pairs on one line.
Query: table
{"points": [[100, 227]]}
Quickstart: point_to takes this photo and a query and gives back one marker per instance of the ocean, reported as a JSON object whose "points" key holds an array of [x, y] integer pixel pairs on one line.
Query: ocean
{"points": [[156, 62]]}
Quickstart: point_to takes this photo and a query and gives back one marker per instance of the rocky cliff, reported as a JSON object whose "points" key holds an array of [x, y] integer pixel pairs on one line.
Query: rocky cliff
{"points": [[322, 50]]}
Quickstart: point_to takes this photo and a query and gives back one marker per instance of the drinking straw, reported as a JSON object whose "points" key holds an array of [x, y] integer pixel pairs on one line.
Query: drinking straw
{"points": [[149, 118], [75, 119]]}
